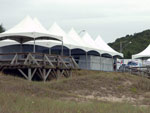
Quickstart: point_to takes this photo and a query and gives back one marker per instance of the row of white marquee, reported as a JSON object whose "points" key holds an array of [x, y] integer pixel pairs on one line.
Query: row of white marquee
{"points": [[71, 40]]}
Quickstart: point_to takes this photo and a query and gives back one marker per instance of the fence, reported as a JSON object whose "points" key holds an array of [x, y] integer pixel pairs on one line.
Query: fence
{"points": [[95, 63]]}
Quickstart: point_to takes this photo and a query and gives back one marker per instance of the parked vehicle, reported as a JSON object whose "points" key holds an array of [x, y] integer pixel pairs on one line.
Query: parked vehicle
{"points": [[132, 64]]}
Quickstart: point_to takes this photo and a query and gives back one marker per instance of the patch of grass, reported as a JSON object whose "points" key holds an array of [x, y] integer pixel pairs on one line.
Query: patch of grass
{"points": [[16, 103], [134, 90], [142, 84], [69, 95]]}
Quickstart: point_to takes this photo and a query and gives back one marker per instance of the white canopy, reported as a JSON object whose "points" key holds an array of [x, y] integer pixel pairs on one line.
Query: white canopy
{"points": [[144, 54], [89, 41], [79, 43], [7, 42], [45, 43], [106, 48], [27, 30], [57, 30]]}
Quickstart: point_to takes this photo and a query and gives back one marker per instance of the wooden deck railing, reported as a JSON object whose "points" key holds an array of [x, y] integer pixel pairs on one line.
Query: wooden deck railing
{"points": [[39, 63]]}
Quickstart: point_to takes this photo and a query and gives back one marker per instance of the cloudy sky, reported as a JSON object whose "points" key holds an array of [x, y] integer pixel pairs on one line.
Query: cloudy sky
{"points": [[109, 18]]}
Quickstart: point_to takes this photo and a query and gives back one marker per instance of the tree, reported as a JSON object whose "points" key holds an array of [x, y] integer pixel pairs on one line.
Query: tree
{"points": [[139, 42], [128, 55], [2, 29]]}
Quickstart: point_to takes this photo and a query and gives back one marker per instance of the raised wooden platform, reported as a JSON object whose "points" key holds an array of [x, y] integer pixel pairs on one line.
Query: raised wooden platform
{"points": [[38, 64]]}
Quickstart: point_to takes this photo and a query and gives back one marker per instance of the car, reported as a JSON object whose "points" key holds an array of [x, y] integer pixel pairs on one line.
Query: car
{"points": [[132, 64]]}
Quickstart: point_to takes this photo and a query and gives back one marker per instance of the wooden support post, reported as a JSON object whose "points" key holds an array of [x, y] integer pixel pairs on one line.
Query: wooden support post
{"points": [[58, 74], [44, 74], [29, 74]]}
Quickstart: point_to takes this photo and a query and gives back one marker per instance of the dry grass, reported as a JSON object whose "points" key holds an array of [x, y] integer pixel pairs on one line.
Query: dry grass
{"points": [[84, 92]]}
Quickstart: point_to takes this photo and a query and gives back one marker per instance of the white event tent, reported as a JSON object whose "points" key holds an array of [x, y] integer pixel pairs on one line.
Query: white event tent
{"points": [[45, 43], [28, 30], [106, 48], [145, 54]]}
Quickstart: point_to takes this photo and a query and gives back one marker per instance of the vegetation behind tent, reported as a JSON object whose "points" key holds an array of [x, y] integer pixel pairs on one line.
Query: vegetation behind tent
{"points": [[139, 41]]}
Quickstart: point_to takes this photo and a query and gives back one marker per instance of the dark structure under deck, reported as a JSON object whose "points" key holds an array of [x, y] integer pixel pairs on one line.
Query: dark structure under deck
{"points": [[38, 64]]}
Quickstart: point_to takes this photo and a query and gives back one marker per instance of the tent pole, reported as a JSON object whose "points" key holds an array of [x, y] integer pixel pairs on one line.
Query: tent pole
{"points": [[34, 46], [113, 65], [86, 61], [69, 52], [100, 61], [20, 47], [62, 49], [142, 61], [50, 51]]}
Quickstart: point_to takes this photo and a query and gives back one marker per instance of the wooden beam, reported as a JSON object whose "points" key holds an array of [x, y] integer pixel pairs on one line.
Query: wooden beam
{"points": [[47, 73], [47, 59], [63, 62], [62, 73], [74, 63], [33, 72], [34, 60], [14, 60], [23, 74], [41, 74], [27, 59]]}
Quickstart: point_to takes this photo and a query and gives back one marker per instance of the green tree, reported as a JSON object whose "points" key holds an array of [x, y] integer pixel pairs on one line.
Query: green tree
{"points": [[128, 55], [2, 29], [139, 42]]}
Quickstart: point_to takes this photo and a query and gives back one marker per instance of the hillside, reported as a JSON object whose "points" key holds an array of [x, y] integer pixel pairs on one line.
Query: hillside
{"points": [[84, 92], [139, 41]]}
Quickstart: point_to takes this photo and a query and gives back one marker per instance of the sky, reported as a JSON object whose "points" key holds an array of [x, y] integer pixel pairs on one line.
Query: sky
{"points": [[111, 19]]}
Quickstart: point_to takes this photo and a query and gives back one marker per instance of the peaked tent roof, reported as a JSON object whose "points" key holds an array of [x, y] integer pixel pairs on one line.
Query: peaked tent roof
{"points": [[77, 39], [74, 36], [57, 30], [40, 25], [144, 54], [106, 48], [89, 41], [27, 30]]}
